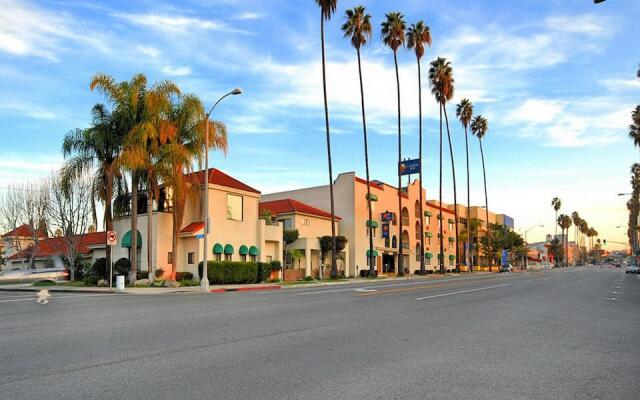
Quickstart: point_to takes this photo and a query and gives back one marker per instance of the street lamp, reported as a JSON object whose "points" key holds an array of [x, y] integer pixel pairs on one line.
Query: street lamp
{"points": [[204, 283], [525, 242]]}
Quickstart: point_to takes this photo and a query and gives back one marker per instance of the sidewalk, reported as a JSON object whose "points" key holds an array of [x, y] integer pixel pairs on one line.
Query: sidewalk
{"points": [[27, 287]]}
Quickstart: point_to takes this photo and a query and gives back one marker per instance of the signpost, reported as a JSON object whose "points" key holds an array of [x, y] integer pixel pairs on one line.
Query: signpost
{"points": [[408, 167], [387, 216], [385, 231], [112, 240]]}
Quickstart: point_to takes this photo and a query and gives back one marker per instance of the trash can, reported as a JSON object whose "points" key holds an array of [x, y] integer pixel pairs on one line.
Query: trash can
{"points": [[119, 283]]}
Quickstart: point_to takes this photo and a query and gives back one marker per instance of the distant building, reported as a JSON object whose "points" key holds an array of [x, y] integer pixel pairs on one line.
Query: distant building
{"points": [[50, 252], [19, 240]]}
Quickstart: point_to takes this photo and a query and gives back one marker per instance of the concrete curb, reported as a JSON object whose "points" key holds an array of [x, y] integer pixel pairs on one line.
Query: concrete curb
{"points": [[246, 289]]}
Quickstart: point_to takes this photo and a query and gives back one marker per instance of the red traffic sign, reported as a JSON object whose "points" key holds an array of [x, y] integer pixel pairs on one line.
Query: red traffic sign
{"points": [[112, 238]]}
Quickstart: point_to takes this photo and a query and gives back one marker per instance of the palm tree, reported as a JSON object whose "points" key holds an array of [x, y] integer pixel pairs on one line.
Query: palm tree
{"points": [[634, 128], [393, 37], [417, 36], [182, 144], [327, 8], [556, 203], [464, 112], [96, 147], [480, 127], [575, 218], [564, 221], [441, 81], [357, 27]]}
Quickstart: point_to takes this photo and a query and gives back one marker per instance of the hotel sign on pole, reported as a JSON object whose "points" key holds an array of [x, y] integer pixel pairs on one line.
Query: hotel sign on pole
{"points": [[408, 167], [387, 216], [385, 231]]}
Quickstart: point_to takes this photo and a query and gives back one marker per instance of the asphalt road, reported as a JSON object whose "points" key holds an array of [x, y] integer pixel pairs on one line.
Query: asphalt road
{"points": [[562, 334]]}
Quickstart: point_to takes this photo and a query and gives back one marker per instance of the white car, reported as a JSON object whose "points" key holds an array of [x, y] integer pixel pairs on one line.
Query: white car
{"points": [[631, 269]]}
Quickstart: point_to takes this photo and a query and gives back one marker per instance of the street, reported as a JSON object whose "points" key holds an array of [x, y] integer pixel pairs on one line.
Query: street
{"points": [[556, 334]]}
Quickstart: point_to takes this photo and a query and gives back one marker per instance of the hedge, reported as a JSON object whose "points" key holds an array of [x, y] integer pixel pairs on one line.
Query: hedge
{"points": [[230, 272], [184, 276]]}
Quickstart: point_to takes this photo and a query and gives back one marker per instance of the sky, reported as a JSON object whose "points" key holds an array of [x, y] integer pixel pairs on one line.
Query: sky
{"points": [[554, 78]]}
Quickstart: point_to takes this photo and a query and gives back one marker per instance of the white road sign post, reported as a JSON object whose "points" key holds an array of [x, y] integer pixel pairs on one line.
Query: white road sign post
{"points": [[112, 239]]}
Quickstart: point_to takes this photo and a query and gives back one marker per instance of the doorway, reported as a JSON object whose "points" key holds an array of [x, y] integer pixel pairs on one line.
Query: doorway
{"points": [[388, 263]]}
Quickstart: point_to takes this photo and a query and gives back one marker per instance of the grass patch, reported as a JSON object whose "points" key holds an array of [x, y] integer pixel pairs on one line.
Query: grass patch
{"points": [[302, 282]]}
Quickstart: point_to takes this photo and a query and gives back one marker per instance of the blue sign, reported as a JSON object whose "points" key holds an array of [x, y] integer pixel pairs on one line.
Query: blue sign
{"points": [[387, 216], [201, 236], [505, 257], [408, 167], [385, 231]]}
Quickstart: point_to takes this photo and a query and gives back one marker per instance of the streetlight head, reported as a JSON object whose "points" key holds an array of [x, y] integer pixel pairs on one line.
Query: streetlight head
{"points": [[598, 1], [236, 91]]}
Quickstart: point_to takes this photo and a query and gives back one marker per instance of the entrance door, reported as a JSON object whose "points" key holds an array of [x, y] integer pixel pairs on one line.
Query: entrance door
{"points": [[388, 263]]}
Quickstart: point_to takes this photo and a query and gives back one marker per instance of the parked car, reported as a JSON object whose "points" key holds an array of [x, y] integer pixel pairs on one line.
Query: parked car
{"points": [[33, 275], [632, 269]]}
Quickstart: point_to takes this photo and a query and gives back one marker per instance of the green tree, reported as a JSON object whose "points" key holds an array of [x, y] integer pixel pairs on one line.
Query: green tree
{"points": [[564, 221], [556, 250], [357, 28], [464, 112], [419, 35], [634, 128], [393, 37], [327, 8], [326, 246], [556, 203], [289, 236], [479, 128]]}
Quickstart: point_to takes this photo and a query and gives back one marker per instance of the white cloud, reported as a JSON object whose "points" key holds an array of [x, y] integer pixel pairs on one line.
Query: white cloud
{"points": [[248, 15], [176, 23], [27, 31], [621, 84], [27, 109], [176, 71], [588, 24], [149, 51]]}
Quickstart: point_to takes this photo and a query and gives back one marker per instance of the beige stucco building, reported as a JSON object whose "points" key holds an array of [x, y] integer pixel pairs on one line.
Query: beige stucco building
{"points": [[235, 234], [351, 205]]}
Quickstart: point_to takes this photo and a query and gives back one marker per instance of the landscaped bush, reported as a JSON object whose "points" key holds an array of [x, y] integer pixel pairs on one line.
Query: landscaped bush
{"points": [[308, 278], [142, 274], [122, 267], [230, 272], [189, 282], [184, 276], [159, 272], [99, 268], [264, 271], [275, 264]]}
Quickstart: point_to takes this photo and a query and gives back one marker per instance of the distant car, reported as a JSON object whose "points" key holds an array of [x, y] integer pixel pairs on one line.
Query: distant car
{"points": [[632, 269], [33, 275], [506, 268], [618, 265]]}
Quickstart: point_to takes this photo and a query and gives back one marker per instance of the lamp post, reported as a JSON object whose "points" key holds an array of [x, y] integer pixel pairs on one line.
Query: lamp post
{"points": [[525, 242], [204, 283]]}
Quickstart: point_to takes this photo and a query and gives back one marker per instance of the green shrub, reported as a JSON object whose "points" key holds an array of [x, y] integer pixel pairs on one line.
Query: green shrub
{"points": [[230, 272], [99, 268], [159, 272], [142, 274], [122, 267], [90, 280], [189, 282], [158, 283], [308, 278], [184, 276], [275, 264], [264, 271]]}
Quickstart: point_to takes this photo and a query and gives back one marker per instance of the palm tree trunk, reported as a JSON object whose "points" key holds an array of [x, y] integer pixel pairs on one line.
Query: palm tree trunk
{"points": [[174, 244], [133, 253], [455, 194], [441, 255], [150, 267], [556, 224], [372, 258], [334, 267], [468, 255], [108, 214], [400, 248], [422, 268], [486, 202]]}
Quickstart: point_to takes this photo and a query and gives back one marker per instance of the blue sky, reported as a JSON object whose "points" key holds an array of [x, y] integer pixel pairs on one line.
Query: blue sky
{"points": [[554, 78]]}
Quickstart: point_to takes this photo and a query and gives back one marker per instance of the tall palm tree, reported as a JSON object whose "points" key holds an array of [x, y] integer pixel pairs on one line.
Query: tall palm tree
{"points": [[441, 81], [575, 218], [357, 28], [183, 144], [327, 8], [393, 36], [480, 127], [98, 147], [564, 221], [556, 203], [634, 128], [417, 36], [464, 112]]}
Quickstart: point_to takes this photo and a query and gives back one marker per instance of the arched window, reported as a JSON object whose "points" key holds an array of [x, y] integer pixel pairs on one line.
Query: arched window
{"points": [[418, 230], [394, 242], [417, 209], [405, 240], [418, 251], [405, 216]]}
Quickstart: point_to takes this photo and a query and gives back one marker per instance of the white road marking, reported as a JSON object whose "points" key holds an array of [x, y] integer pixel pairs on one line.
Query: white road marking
{"points": [[365, 290], [463, 291]]}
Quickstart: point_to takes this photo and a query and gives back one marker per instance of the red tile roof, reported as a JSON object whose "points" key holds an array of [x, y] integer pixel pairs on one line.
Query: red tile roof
{"points": [[193, 227], [58, 246], [24, 231], [293, 206], [217, 177]]}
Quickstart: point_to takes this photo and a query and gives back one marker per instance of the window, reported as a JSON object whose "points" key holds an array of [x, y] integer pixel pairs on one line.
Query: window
{"points": [[269, 259], [418, 252], [387, 242], [428, 220], [450, 262], [450, 226], [253, 258], [169, 258], [306, 222], [288, 223], [394, 242], [217, 257], [417, 209], [190, 258], [427, 261], [429, 240], [373, 230], [418, 231], [405, 216], [227, 257], [450, 245], [243, 257], [234, 207]]}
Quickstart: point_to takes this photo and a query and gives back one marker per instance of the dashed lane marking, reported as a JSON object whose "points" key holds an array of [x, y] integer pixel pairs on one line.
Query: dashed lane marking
{"points": [[462, 291]]}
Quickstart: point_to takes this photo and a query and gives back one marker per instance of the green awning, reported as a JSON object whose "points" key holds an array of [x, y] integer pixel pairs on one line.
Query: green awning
{"points": [[372, 224], [228, 249], [428, 255], [451, 239], [217, 248], [452, 257], [126, 239], [427, 213], [451, 221], [373, 197], [375, 253], [243, 250], [429, 234], [253, 251]]}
